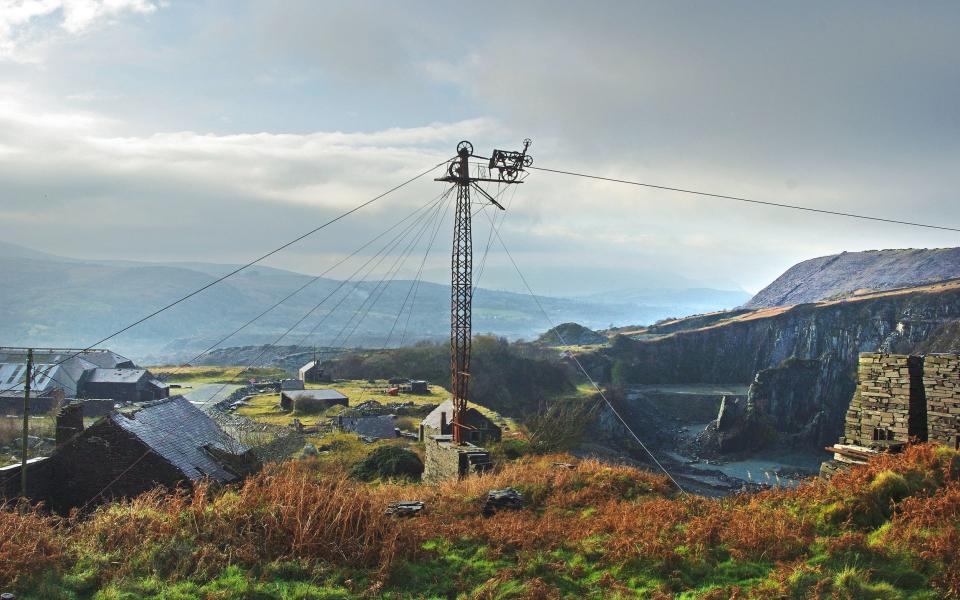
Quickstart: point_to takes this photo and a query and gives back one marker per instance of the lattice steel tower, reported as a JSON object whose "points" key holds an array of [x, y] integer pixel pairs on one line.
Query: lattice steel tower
{"points": [[508, 166]]}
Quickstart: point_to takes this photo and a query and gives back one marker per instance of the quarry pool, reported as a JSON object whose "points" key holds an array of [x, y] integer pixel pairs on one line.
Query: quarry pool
{"points": [[774, 467]]}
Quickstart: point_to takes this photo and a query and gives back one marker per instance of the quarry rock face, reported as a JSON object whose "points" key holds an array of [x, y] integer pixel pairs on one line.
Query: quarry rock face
{"points": [[840, 275], [802, 360]]}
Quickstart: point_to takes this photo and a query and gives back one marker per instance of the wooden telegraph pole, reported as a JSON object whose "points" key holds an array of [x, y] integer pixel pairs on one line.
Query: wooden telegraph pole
{"points": [[26, 422]]}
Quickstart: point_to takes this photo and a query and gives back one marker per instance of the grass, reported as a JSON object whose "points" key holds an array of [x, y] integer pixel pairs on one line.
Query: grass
{"points": [[306, 530], [266, 407], [213, 374]]}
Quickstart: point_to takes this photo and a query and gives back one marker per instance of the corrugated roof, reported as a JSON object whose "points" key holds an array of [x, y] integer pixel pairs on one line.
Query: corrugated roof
{"points": [[179, 432], [381, 427], [65, 375]]}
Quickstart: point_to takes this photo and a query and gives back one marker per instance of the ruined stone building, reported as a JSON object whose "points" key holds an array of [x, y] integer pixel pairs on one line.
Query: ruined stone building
{"points": [[445, 460], [481, 429], [375, 427], [166, 443], [900, 398], [311, 401]]}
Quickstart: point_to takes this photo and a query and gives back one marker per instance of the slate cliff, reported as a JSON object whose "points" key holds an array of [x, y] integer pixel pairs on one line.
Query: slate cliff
{"points": [[850, 273], [801, 359]]}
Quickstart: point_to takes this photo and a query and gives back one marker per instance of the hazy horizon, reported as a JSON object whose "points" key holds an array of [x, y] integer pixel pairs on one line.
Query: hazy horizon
{"points": [[166, 131]]}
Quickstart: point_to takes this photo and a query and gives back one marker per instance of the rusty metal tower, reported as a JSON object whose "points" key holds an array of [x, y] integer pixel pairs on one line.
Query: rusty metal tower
{"points": [[503, 167]]}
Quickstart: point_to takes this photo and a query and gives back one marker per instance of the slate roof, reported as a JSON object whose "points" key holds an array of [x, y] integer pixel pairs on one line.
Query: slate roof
{"points": [[291, 384], [326, 394], [179, 432], [381, 427], [471, 417], [115, 375]]}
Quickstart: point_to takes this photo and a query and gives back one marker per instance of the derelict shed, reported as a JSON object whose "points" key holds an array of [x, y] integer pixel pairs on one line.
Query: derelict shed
{"points": [[122, 385], [166, 443], [50, 377], [479, 428], [311, 401], [380, 427], [291, 384]]}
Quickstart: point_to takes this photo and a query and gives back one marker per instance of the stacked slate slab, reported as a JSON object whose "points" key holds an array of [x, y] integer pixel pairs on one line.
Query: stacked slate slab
{"points": [[902, 398], [887, 404], [941, 383]]}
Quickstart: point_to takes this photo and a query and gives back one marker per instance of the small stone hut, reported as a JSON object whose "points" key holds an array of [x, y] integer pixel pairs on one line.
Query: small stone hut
{"points": [[481, 430], [311, 401]]}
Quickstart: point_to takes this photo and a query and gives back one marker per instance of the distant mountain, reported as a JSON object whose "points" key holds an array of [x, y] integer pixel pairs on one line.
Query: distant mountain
{"points": [[851, 273], [46, 300]]}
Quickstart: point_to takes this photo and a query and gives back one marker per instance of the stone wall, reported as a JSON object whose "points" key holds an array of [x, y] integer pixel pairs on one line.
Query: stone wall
{"points": [[900, 398], [887, 404], [941, 383], [441, 462], [444, 461]]}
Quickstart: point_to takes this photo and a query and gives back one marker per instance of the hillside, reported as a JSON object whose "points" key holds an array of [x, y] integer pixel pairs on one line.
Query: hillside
{"points": [[884, 531], [51, 301], [802, 358], [850, 273]]}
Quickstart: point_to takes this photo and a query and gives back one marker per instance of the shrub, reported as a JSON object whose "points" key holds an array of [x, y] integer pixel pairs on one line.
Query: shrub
{"points": [[388, 462], [855, 584]]}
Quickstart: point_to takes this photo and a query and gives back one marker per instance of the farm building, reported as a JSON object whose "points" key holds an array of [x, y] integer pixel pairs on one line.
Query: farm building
{"points": [[311, 401], [59, 374], [291, 384], [312, 372], [122, 385], [165, 443], [481, 429], [379, 427]]}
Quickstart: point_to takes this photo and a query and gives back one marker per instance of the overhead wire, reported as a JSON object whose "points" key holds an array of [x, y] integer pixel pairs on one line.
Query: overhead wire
{"points": [[415, 283], [323, 320], [385, 282], [748, 200], [583, 370], [385, 249], [246, 265], [304, 286]]}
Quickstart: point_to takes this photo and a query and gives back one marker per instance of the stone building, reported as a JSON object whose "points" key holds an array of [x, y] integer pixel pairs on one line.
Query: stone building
{"points": [[900, 399], [481, 430], [72, 373], [311, 401], [165, 443], [444, 460], [376, 427], [312, 372]]}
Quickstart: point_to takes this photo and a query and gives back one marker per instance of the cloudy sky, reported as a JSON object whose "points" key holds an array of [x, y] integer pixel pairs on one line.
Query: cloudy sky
{"points": [[215, 130]]}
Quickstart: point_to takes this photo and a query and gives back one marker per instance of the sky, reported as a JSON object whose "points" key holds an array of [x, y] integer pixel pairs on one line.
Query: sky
{"points": [[214, 131]]}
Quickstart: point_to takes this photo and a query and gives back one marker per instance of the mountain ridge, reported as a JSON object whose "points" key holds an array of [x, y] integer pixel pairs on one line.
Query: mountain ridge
{"points": [[850, 273]]}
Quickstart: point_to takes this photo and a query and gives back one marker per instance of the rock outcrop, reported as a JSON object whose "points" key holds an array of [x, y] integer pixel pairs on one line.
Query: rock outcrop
{"points": [[843, 275], [573, 334], [801, 360]]}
